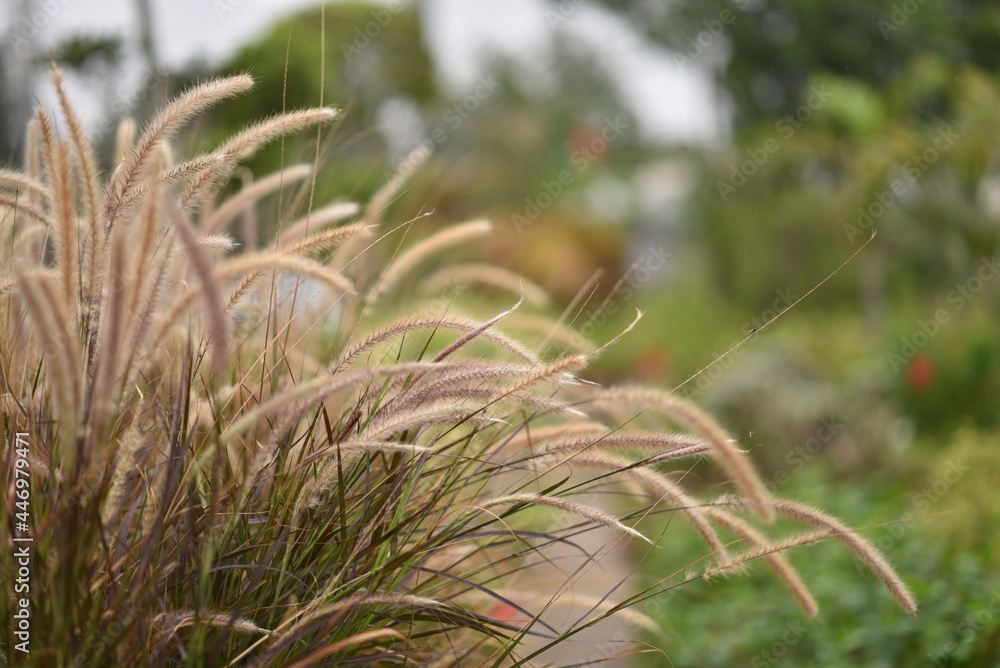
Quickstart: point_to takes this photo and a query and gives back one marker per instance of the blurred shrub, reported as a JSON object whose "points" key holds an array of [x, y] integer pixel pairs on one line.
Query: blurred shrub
{"points": [[729, 623]]}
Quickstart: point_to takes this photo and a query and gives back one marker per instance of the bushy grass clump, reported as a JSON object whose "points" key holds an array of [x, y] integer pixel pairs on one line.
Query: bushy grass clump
{"points": [[229, 467]]}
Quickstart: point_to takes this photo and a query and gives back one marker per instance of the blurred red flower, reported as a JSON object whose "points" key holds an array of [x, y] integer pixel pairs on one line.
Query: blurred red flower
{"points": [[920, 373]]}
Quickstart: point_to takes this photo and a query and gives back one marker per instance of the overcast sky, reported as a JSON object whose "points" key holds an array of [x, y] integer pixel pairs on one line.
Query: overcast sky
{"points": [[671, 102]]}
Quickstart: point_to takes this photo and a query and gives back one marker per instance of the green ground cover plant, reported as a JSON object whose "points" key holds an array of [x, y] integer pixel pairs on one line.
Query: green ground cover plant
{"points": [[923, 528]]}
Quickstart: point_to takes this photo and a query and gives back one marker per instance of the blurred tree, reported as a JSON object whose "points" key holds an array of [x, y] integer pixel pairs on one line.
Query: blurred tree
{"points": [[774, 48], [529, 148], [780, 208], [526, 127], [87, 54], [16, 66], [835, 105], [804, 196], [523, 140], [92, 58], [374, 54]]}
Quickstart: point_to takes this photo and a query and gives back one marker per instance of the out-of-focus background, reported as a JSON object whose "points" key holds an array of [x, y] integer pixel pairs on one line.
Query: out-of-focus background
{"points": [[707, 161]]}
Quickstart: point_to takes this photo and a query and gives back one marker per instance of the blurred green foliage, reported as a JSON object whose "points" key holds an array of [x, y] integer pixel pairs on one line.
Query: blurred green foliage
{"points": [[775, 48], [899, 350], [935, 530], [927, 186]]}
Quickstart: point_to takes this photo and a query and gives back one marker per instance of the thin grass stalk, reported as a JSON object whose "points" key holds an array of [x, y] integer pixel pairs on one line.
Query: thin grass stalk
{"points": [[776, 560], [45, 309], [585, 511], [732, 460], [60, 180], [125, 134], [31, 187], [399, 328], [167, 122], [862, 548], [203, 189], [27, 208], [114, 297], [434, 244], [328, 215], [87, 169], [215, 311], [665, 490], [251, 194], [488, 275]]}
